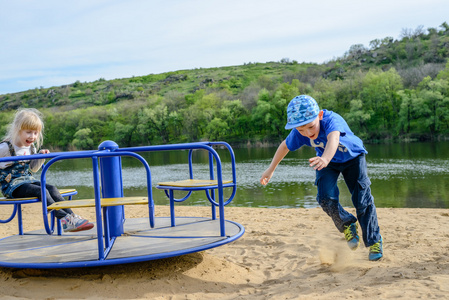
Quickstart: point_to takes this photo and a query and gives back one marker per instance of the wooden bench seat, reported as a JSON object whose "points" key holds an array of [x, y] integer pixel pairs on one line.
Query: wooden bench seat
{"points": [[64, 193], [190, 185], [104, 202]]}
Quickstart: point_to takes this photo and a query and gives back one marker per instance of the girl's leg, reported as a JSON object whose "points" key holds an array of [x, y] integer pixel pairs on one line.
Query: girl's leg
{"points": [[34, 190], [328, 197], [357, 180], [56, 196]]}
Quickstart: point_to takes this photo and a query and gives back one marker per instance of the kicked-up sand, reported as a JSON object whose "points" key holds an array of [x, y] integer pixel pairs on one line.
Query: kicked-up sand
{"points": [[284, 254]]}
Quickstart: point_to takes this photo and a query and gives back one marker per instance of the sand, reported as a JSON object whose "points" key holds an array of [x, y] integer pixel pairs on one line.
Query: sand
{"points": [[284, 254]]}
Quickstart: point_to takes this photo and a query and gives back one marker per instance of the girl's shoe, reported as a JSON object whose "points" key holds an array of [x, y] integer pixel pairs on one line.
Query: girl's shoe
{"points": [[73, 223]]}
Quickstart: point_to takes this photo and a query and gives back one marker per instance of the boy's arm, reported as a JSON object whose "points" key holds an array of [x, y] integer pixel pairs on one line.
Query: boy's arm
{"points": [[333, 140], [281, 152]]}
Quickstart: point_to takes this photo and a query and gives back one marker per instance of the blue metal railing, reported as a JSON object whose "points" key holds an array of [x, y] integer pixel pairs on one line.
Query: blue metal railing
{"points": [[104, 225]]}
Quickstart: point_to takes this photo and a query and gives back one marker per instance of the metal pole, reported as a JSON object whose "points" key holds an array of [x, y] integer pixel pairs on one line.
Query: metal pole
{"points": [[112, 186]]}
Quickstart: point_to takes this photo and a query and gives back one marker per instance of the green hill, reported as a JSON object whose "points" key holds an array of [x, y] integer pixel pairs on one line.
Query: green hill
{"points": [[395, 89], [101, 92]]}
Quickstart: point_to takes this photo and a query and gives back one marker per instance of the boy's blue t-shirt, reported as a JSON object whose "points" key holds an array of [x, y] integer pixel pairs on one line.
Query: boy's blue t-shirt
{"points": [[350, 146]]}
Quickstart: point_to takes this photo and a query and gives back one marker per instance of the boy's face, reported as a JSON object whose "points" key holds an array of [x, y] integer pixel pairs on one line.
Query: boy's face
{"points": [[312, 129]]}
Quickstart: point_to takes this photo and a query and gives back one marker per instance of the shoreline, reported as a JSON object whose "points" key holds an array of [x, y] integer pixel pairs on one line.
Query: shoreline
{"points": [[285, 253]]}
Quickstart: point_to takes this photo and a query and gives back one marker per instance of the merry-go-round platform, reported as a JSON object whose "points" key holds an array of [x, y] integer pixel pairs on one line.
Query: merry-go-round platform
{"points": [[116, 239], [140, 242]]}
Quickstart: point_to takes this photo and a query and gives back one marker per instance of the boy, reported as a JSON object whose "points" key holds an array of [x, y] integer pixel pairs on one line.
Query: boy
{"points": [[338, 151]]}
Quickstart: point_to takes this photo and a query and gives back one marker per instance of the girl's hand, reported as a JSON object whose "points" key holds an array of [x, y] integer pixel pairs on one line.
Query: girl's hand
{"points": [[44, 151], [318, 163]]}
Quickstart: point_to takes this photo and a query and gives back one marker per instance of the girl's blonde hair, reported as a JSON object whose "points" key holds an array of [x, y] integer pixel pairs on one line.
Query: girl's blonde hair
{"points": [[26, 119]]}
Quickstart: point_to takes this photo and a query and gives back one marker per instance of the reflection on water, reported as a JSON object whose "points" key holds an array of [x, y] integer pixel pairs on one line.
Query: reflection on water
{"points": [[402, 175], [404, 168]]}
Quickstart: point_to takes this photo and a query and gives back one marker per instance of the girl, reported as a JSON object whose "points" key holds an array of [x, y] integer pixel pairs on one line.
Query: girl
{"points": [[23, 137]]}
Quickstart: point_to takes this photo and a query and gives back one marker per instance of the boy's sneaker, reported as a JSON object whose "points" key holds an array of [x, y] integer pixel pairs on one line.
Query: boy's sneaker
{"points": [[351, 236], [376, 251], [73, 223]]}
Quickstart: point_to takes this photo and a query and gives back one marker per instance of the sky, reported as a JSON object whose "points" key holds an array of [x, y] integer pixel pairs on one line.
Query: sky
{"points": [[52, 42]]}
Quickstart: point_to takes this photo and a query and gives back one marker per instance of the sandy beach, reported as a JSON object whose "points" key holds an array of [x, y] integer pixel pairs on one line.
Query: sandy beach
{"points": [[284, 254]]}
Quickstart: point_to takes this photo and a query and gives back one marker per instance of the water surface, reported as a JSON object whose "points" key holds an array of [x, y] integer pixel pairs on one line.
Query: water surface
{"points": [[402, 175]]}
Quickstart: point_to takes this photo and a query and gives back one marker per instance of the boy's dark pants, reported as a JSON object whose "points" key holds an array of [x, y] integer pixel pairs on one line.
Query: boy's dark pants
{"points": [[356, 178], [34, 190]]}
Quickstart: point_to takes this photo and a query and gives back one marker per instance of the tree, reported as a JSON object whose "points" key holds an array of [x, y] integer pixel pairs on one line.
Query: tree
{"points": [[407, 115], [435, 102], [324, 93], [444, 74], [379, 95], [356, 51], [123, 134], [231, 113], [261, 116], [82, 139], [374, 44], [153, 124], [216, 129], [357, 118], [445, 27]]}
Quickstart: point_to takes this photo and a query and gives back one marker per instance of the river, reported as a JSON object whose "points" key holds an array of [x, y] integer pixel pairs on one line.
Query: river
{"points": [[402, 175]]}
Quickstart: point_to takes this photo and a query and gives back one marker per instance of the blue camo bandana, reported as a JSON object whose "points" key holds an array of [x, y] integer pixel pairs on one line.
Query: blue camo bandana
{"points": [[301, 110]]}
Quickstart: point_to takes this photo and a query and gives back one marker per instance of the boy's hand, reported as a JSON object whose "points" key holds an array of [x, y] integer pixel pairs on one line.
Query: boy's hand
{"points": [[318, 163], [44, 151], [266, 176]]}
